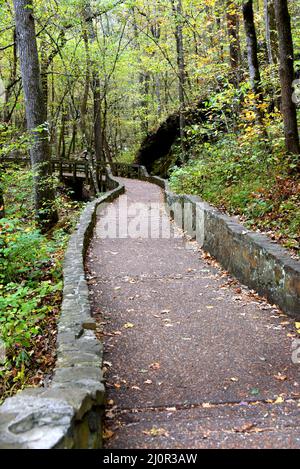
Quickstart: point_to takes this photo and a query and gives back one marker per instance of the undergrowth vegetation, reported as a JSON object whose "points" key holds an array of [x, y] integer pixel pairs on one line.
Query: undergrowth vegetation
{"points": [[30, 284], [240, 175]]}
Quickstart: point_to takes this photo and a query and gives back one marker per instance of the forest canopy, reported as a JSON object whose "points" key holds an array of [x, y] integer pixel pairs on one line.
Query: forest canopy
{"points": [[138, 51]]}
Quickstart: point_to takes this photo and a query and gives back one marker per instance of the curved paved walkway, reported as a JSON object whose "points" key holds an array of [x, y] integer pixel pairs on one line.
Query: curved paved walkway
{"points": [[192, 359]]}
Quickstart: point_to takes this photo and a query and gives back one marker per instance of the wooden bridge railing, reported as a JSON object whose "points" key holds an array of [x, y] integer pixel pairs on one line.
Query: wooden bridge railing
{"points": [[81, 169], [69, 169]]}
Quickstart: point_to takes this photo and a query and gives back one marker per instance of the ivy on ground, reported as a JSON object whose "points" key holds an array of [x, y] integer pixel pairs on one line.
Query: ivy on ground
{"points": [[240, 176], [31, 285]]}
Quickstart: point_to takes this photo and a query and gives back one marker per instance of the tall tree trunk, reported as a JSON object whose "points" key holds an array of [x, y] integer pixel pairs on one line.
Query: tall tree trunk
{"points": [[286, 56], [84, 106], [7, 114], [252, 47], [144, 78], [98, 131], [62, 140], [96, 88], [234, 40], [85, 96], [177, 11], [253, 63], [44, 75], [271, 33], [36, 114]]}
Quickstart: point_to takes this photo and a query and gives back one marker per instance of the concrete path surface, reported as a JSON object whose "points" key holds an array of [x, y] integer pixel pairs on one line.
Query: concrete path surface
{"points": [[192, 359]]}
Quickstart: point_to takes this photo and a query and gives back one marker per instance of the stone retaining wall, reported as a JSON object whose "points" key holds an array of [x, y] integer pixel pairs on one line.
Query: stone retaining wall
{"points": [[251, 257], [68, 413]]}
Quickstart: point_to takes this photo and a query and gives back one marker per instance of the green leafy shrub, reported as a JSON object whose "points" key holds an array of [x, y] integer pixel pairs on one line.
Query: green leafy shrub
{"points": [[239, 175], [22, 251], [30, 281]]}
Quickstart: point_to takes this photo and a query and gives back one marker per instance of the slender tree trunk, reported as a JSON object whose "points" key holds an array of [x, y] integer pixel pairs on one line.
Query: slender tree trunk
{"points": [[44, 75], [177, 11], [96, 88], [62, 140], [143, 82], [157, 85], [234, 40], [98, 131], [7, 113], [85, 96], [72, 144], [252, 47], [271, 33], [36, 114], [286, 56], [253, 63]]}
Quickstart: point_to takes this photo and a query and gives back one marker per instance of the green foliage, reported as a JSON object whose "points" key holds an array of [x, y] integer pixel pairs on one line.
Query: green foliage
{"points": [[126, 157], [21, 311], [22, 251], [241, 177], [30, 276]]}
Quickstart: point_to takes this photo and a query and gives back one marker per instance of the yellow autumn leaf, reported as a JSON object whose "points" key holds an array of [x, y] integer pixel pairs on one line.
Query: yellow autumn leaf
{"points": [[129, 325], [156, 432], [279, 400]]}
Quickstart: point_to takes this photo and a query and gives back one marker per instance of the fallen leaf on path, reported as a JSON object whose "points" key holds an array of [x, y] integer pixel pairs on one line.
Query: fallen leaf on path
{"points": [[129, 325], [154, 432], [234, 380], [108, 434], [136, 388], [280, 377], [279, 400]]}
